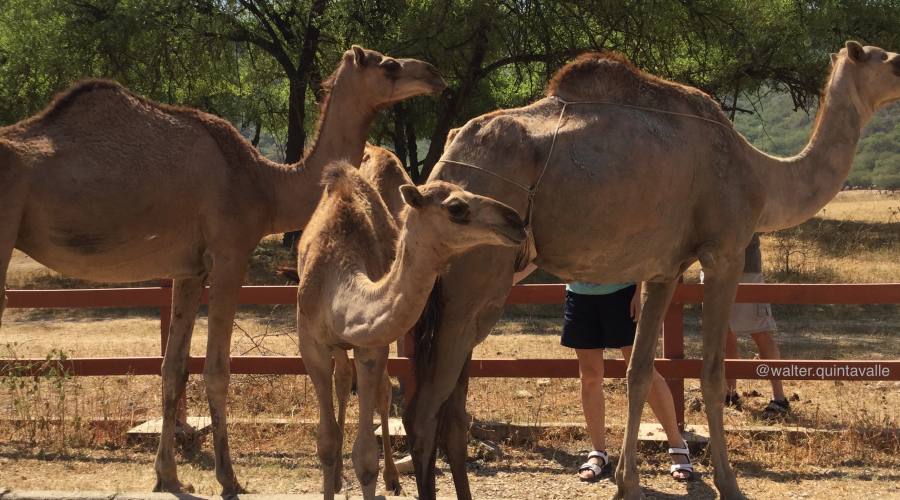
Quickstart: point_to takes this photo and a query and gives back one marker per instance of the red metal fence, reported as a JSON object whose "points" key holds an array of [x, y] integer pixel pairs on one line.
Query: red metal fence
{"points": [[672, 365]]}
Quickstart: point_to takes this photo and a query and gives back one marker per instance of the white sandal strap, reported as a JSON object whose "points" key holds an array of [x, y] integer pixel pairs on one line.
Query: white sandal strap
{"points": [[596, 469], [681, 451], [678, 467], [602, 455]]}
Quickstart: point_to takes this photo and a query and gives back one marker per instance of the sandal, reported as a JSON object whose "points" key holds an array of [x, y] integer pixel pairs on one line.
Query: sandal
{"points": [[597, 470], [688, 467], [734, 401], [776, 409]]}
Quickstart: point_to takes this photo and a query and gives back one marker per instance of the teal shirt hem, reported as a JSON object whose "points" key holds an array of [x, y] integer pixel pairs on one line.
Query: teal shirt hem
{"points": [[595, 289]]}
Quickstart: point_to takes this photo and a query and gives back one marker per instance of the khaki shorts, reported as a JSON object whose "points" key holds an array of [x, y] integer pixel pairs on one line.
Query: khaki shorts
{"points": [[750, 318]]}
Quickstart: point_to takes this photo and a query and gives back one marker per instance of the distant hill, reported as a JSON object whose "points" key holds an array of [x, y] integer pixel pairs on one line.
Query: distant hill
{"points": [[780, 130]]}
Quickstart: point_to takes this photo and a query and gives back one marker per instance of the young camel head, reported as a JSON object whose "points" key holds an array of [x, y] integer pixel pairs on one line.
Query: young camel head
{"points": [[447, 216], [875, 73], [387, 79]]}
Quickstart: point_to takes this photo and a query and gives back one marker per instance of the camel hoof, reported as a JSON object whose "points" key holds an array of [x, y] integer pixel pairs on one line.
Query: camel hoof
{"points": [[172, 487], [626, 495], [237, 489], [393, 485]]}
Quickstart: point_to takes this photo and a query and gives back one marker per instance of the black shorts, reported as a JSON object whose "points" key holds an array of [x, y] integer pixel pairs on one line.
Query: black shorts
{"points": [[598, 321]]}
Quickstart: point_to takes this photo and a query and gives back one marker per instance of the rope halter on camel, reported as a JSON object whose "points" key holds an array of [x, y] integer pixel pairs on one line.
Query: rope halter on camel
{"points": [[529, 252]]}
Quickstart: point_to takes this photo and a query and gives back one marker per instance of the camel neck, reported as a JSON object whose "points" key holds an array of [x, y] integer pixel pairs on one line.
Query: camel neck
{"points": [[797, 188], [342, 132], [395, 302]]}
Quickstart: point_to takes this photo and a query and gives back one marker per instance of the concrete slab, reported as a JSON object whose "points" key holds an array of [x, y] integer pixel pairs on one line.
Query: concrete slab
{"points": [[194, 425], [395, 428]]}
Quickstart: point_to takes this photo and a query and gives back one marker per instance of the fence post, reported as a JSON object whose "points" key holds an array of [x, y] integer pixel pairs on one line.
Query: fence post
{"points": [[673, 348]]}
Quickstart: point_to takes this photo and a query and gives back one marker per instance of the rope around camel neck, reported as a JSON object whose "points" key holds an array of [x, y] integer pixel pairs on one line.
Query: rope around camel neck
{"points": [[532, 191]]}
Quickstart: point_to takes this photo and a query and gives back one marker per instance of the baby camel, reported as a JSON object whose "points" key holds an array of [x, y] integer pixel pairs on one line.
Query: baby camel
{"points": [[383, 170], [364, 280]]}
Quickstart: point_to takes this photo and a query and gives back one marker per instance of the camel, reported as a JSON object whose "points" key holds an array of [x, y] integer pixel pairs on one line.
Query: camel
{"points": [[364, 280], [108, 186], [645, 177], [384, 171]]}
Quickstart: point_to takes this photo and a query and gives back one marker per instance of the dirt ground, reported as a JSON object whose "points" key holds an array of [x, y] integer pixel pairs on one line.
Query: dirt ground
{"points": [[855, 241]]}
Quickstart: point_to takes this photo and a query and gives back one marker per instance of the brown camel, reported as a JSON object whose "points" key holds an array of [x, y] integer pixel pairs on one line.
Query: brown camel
{"points": [[637, 188], [363, 283], [384, 171], [108, 186]]}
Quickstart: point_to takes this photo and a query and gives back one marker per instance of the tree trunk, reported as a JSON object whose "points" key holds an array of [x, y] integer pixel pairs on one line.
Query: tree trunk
{"points": [[296, 139], [399, 113], [452, 102], [412, 152]]}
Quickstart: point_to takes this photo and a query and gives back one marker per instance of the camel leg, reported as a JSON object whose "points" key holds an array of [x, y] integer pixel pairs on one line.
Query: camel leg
{"points": [[455, 422], [343, 380], [421, 416], [225, 285], [10, 218], [390, 474], [185, 301], [317, 360], [370, 367], [720, 286], [640, 375]]}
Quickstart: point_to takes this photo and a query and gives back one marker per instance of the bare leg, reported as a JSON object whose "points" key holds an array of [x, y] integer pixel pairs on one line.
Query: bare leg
{"points": [[768, 349], [640, 369], [720, 285], [370, 366], [226, 280], [343, 379], [731, 352], [593, 400], [455, 421], [317, 360], [185, 301], [390, 474]]}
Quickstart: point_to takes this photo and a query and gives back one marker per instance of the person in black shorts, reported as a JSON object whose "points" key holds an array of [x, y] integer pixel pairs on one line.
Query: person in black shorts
{"points": [[599, 317]]}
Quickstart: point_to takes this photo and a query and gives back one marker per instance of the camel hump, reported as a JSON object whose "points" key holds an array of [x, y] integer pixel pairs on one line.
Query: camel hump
{"points": [[66, 98], [339, 178]]}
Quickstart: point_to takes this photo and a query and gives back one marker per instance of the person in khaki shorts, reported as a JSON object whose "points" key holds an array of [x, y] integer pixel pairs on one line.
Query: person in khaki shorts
{"points": [[757, 321]]}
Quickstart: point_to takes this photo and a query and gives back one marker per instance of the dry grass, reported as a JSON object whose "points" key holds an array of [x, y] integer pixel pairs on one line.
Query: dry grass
{"points": [[855, 240]]}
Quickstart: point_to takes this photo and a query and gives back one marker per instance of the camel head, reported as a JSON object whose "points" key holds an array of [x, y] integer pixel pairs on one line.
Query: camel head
{"points": [[459, 220], [875, 73], [388, 79]]}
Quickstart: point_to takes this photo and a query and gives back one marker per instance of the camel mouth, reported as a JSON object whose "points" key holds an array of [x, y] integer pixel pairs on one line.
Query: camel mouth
{"points": [[514, 236]]}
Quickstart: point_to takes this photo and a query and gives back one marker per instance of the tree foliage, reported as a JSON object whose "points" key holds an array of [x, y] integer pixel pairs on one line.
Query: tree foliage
{"points": [[260, 62]]}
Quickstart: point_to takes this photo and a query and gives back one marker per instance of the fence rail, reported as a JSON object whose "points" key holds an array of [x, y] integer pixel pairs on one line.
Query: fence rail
{"points": [[672, 365]]}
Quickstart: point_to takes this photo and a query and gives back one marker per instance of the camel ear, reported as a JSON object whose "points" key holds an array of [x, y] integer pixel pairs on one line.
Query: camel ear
{"points": [[450, 136], [412, 196], [856, 52], [359, 55], [833, 57]]}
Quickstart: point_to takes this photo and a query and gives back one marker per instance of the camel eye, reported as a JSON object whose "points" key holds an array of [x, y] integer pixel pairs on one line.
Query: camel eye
{"points": [[458, 209], [390, 65], [884, 56]]}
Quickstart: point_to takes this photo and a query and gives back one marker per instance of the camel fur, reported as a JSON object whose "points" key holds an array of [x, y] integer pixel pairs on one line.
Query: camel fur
{"points": [[630, 194], [364, 279], [108, 186]]}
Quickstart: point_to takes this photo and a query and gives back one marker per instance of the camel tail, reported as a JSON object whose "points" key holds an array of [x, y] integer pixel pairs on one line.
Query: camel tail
{"points": [[288, 273], [338, 178], [426, 328]]}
